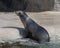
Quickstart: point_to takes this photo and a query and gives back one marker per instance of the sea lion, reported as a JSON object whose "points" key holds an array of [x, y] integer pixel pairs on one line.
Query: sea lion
{"points": [[38, 33]]}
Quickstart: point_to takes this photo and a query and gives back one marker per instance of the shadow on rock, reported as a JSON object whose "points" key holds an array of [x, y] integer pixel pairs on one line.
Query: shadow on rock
{"points": [[21, 31]]}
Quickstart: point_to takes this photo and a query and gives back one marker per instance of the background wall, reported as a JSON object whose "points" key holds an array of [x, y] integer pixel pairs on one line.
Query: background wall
{"points": [[11, 5], [40, 5], [57, 5], [32, 5]]}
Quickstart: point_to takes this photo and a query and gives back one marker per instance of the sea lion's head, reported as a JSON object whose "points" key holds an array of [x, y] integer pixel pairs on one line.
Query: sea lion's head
{"points": [[23, 16], [20, 13]]}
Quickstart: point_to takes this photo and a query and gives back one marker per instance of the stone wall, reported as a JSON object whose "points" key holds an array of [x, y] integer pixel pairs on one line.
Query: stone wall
{"points": [[40, 5], [57, 5], [12, 5], [32, 5]]}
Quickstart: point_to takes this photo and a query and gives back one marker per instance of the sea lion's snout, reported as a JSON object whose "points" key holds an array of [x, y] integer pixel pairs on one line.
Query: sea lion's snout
{"points": [[19, 13]]}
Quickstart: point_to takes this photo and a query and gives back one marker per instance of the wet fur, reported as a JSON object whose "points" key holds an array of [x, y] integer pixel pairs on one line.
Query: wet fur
{"points": [[35, 31]]}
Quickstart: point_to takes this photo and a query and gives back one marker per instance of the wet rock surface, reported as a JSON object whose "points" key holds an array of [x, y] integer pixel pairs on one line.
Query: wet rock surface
{"points": [[50, 20]]}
